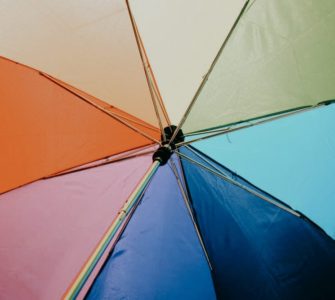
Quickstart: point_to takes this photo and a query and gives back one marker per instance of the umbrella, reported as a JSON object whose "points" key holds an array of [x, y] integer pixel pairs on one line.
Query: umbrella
{"points": [[109, 191]]}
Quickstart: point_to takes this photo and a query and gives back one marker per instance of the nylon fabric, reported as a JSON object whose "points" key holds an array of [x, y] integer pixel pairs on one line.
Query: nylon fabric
{"points": [[159, 255], [45, 129], [280, 56], [139, 124], [50, 227], [258, 251], [291, 158], [181, 39], [88, 44]]}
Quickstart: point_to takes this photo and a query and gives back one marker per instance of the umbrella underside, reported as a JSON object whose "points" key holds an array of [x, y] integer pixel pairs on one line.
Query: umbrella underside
{"points": [[101, 196]]}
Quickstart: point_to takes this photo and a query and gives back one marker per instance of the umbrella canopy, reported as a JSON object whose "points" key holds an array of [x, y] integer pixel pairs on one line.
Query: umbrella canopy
{"points": [[114, 188]]}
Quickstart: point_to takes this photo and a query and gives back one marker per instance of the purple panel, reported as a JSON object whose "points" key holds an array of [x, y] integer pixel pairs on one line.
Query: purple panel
{"points": [[49, 228]]}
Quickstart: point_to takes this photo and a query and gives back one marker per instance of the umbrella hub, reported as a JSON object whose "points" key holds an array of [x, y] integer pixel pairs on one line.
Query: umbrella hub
{"points": [[169, 132], [164, 152]]}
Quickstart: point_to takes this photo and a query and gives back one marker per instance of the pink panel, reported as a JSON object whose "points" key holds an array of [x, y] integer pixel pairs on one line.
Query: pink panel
{"points": [[50, 227]]}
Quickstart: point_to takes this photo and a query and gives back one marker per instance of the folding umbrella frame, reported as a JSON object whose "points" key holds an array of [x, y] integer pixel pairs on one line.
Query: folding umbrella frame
{"points": [[170, 147]]}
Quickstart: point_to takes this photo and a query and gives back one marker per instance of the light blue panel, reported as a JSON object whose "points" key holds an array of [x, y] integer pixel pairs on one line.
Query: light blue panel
{"points": [[292, 158]]}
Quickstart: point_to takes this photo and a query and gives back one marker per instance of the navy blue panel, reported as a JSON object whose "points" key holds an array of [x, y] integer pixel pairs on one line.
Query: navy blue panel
{"points": [[258, 251], [159, 255]]}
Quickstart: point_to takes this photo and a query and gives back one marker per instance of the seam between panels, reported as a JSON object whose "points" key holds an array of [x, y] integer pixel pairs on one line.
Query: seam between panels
{"points": [[203, 156], [121, 231], [232, 127], [102, 109], [185, 194], [68, 170], [189, 206], [152, 76], [231, 179], [132, 153], [241, 186], [206, 77], [243, 232], [236, 126], [144, 65], [71, 88], [124, 213]]}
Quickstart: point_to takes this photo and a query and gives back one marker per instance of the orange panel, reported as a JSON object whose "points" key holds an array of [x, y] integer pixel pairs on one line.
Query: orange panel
{"points": [[145, 127], [45, 129]]}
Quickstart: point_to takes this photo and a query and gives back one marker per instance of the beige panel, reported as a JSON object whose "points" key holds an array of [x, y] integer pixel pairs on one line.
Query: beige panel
{"points": [[88, 44], [182, 38]]}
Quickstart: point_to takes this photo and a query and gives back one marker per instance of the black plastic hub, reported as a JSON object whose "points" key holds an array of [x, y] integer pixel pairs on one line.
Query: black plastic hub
{"points": [[164, 153], [169, 131]]}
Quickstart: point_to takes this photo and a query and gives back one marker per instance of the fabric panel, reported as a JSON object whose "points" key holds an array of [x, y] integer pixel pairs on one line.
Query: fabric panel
{"points": [[90, 45], [159, 255], [182, 39], [291, 158], [280, 56], [50, 227], [258, 251], [45, 129]]}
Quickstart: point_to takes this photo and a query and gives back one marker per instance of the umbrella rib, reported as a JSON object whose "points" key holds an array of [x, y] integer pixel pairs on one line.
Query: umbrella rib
{"points": [[204, 159], [234, 182], [206, 131], [135, 121], [154, 82], [61, 83], [85, 272], [197, 93], [144, 64], [190, 211], [218, 132], [158, 95], [101, 108], [72, 170], [106, 161]]}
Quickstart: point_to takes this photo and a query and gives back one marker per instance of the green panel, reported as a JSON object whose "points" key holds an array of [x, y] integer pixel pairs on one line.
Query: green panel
{"points": [[280, 56]]}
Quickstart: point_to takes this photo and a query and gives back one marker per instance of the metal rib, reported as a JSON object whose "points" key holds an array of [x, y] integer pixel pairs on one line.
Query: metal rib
{"points": [[232, 129], [232, 181], [187, 203], [101, 108], [181, 123]]}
